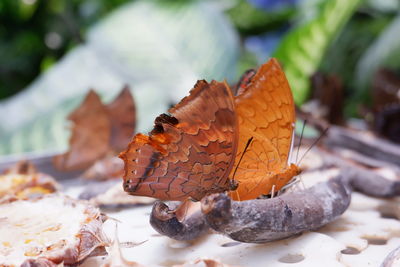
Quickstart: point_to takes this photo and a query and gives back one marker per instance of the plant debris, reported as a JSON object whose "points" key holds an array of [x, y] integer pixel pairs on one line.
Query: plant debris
{"points": [[48, 231], [23, 181], [98, 130]]}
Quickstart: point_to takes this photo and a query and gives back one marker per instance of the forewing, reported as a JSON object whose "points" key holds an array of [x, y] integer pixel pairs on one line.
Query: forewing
{"points": [[189, 153], [266, 112]]}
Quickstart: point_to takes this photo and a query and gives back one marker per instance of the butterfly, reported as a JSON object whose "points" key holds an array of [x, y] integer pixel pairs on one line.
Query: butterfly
{"points": [[199, 148]]}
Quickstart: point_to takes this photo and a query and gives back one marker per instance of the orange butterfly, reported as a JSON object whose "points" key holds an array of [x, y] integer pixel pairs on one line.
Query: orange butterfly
{"points": [[195, 151], [266, 113]]}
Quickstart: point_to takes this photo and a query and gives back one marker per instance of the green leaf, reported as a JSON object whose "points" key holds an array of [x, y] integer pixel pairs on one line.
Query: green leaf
{"points": [[302, 50]]}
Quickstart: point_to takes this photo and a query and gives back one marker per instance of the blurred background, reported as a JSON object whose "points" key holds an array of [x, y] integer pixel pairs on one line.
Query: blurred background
{"points": [[342, 58]]}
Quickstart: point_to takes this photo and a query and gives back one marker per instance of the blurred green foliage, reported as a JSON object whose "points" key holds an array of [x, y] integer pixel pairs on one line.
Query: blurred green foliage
{"points": [[302, 50], [333, 36], [34, 34]]}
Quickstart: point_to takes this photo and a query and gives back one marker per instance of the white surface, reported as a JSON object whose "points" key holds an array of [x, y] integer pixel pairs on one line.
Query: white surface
{"points": [[360, 222]]}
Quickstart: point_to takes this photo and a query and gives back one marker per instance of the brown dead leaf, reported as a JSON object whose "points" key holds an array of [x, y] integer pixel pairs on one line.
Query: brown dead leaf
{"points": [[90, 137], [98, 130], [122, 113]]}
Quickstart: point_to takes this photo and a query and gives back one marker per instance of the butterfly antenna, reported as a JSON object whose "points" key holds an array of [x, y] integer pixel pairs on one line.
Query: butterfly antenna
{"points": [[313, 144], [301, 138], [244, 151]]}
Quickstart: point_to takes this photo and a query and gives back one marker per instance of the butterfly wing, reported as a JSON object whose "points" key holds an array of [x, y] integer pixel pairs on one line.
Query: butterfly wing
{"points": [[189, 153], [90, 135], [266, 112]]}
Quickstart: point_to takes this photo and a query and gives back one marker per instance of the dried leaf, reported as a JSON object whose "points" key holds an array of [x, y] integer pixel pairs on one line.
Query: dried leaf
{"points": [[122, 112], [52, 229], [90, 137], [99, 130]]}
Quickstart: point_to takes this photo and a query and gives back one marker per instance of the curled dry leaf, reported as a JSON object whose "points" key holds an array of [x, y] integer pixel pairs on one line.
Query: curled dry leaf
{"points": [[49, 231], [22, 181], [91, 131], [98, 130], [122, 114], [264, 220]]}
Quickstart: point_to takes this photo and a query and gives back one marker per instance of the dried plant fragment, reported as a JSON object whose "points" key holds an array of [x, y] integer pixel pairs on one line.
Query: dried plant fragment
{"points": [[264, 220], [22, 181], [99, 131], [90, 137], [49, 230], [122, 114], [115, 257]]}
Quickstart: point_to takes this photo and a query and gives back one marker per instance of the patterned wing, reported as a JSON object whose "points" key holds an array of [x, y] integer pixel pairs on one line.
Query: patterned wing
{"points": [[123, 119], [187, 154], [266, 112], [90, 135]]}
